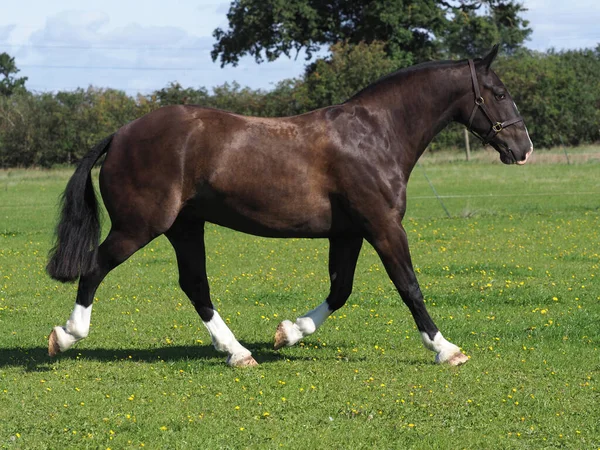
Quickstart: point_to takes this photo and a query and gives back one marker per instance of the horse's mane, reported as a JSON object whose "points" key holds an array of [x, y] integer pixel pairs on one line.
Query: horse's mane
{"points": [[400, 74]]}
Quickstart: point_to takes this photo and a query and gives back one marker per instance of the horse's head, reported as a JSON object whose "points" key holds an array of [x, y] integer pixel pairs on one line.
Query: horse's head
{"points": [[491, 114]]}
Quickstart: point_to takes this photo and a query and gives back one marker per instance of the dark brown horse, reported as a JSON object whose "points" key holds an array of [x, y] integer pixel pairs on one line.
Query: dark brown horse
{"points": [[339, 173]]}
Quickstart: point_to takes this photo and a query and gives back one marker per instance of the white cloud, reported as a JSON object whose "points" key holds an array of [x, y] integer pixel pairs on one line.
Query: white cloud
{"points": [[222, 9], [5, 31], [71, 27], [85, 46], [563, 25]]}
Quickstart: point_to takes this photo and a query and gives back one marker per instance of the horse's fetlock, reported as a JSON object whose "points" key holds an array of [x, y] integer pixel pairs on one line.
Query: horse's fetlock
{"points": [[306, 325]]}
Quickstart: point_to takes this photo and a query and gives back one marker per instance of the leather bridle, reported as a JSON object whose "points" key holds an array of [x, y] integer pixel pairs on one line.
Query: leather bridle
{"points": [[497, 126]]}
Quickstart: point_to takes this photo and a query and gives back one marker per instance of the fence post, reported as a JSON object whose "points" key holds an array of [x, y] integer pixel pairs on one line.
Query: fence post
{"points": [[467, 145], [564, 149]]}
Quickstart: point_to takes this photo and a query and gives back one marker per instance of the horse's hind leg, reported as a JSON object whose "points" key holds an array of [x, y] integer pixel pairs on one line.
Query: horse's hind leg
{"points": [[115, 249], [187, 238], [343, 255]]}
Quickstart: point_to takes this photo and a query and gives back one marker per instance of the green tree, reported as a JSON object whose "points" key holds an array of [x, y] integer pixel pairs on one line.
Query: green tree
{"points": [[175, 94], [8, 83], [558, 94], [473, 28], [412, 30], [347, 70]]}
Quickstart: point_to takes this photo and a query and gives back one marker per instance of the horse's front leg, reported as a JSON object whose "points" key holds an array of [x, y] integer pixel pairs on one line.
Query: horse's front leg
{"points": [[391, 243], [343, 254]]}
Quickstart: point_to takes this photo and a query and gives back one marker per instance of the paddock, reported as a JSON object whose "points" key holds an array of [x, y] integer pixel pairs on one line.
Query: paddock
{"points": [[511, 276]]}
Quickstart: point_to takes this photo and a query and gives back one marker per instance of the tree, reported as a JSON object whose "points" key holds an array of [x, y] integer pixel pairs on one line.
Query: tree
{"points": [[347, 70], [9, 84], [558, 94], [473, 28], [412, 30], [175, 94]]}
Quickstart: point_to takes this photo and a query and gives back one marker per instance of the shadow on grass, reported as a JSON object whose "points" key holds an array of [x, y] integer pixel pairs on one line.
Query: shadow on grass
{"points": [[36, 359]]}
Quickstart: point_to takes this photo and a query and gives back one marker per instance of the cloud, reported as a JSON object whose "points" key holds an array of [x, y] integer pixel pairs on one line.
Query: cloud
{"points": [[562, 24], [71, 27], [92, 29], [86, 47], [219, 8], [5, 31], [222, 9], [85, 38]]}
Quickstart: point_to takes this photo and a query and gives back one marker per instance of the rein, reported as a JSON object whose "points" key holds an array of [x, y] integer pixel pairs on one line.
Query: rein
{"points": [[497, 126]]}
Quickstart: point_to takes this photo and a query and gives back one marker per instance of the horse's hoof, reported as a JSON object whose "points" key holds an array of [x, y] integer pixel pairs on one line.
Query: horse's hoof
{"points": [[247, 361], [281, 337], [457, 359], [53, 347]]}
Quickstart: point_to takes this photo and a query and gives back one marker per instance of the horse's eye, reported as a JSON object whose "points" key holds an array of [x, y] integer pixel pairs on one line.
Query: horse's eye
{"points": [[500, 97]]}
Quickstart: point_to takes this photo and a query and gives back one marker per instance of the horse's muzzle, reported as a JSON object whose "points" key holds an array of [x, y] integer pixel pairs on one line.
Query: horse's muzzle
{"points": [[527, 155]]}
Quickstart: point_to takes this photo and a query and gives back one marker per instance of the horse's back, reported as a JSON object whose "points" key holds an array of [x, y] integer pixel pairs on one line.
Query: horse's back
{"points": [[268, 176]]}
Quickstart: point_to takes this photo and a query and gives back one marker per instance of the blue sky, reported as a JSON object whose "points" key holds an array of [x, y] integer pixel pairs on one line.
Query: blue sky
{"points": [[129, 45]]}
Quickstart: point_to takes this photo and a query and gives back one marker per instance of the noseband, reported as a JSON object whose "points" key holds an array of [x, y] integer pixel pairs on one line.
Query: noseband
{"points": [[497, 127]]}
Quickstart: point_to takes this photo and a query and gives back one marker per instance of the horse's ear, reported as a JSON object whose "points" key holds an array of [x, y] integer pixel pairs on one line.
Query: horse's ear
{"points": [[488, 59]]}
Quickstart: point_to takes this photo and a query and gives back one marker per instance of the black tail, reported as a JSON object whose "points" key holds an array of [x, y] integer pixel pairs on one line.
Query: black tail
{"points": [[78, 232]]}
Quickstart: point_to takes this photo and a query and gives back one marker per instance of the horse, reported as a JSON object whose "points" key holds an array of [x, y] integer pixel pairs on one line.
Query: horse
{"points": [[339, 173]]}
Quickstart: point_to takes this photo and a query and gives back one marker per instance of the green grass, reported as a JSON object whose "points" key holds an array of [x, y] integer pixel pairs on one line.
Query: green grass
{"points": [[511, 277]]}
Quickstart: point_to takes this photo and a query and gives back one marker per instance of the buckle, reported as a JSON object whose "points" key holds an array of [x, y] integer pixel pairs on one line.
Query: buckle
{"points": [[479, 101], [497, 127]]}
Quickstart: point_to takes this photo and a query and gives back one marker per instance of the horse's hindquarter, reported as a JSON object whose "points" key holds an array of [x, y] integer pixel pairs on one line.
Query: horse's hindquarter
{"points": [[141, 177], [269, 177]]}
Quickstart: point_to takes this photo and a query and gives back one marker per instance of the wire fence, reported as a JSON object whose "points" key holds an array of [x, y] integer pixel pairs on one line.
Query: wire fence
{"points": [[558, 155]]}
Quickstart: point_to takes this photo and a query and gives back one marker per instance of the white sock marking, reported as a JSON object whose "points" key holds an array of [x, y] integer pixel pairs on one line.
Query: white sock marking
{"points": [[77, 327], [224, 340], [444, 350], [313, 319], [306, 324]]}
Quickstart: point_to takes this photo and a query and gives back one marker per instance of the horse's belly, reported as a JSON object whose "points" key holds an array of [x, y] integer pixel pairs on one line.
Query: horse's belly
{"points": [[309, 216]]}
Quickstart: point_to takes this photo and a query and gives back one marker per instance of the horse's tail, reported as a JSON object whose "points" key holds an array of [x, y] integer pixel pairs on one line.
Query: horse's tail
{"points": [[75, 250]]}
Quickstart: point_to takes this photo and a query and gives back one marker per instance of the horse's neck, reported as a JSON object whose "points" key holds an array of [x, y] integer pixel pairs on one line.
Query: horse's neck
{"points": [[419, 105]]}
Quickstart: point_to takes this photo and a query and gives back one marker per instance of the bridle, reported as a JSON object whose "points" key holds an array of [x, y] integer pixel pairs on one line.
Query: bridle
{"points": [[497, 127]]}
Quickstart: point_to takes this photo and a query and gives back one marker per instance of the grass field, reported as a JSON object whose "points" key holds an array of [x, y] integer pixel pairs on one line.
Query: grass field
{"points": [[511, 277]]}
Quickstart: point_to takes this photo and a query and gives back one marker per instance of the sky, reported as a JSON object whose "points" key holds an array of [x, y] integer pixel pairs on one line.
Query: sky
{"points": [[140, 46]]}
